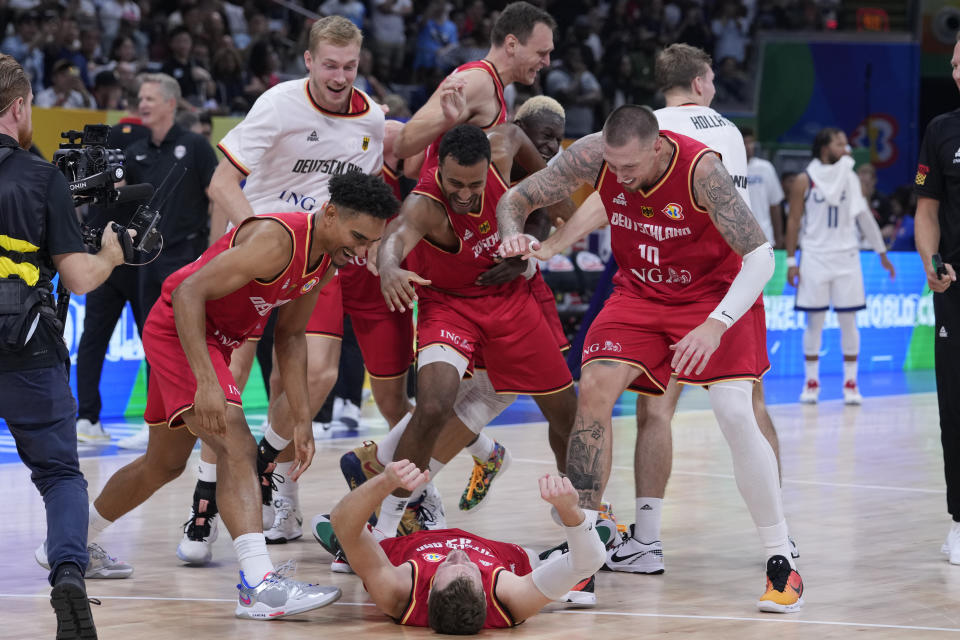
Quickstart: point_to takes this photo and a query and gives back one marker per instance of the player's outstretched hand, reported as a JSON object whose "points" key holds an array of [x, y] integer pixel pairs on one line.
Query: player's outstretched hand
{"points": [[453, 98], [304, 448], [692, 353], [520, 244], [397, 288], [404, 474], [559, 492]]}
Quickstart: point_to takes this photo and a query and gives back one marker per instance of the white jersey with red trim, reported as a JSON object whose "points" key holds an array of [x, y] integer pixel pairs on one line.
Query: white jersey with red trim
{"points": [[708, 127], [289, 147]]}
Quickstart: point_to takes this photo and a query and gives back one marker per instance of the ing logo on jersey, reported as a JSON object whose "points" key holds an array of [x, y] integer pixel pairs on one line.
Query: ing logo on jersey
{"points": [[646, 211], [485, 226], [308, 285], [434, 557], [673, 211], [366, 143]]}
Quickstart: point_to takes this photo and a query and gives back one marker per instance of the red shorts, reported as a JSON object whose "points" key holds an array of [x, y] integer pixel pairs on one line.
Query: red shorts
{"points": [[519, 348], [327, 318], [639, 332], [172, 384], [386, 341], [544, 295]]}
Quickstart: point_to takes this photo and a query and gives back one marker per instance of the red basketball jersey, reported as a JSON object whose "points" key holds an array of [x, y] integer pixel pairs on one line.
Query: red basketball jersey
{"points": [[361, 289], [666, 247], [425, 550], [431, 157], [477, 238], [232, 318]]}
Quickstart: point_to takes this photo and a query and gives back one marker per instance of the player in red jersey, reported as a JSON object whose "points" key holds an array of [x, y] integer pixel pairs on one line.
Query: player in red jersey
{"points": [[684, 302], [451, 580], [520, 44], [206, 310], [457, 314]]}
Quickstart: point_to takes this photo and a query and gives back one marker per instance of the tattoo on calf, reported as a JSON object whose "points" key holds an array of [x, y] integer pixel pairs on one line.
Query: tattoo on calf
{"points": [[585, 463], [714, 191]]}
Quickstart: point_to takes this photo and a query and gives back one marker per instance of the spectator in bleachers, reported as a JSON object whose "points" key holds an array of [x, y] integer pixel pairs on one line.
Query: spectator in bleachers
{"points": [[880, 205], [66, 89], [25, 46], [389, 33], [230, 94], [262, 67], [732, 32], [107, 92], [630, 80], [577, 89], [437, 34], [352, 10], [733, 85], [693, 29], [192, 78], [366, 79]]}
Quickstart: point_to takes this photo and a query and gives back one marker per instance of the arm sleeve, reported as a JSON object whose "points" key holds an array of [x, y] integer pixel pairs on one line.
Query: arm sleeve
{"points": [[929, 179], [747, 286], [555, 577], [246, 143], [63, 228]]}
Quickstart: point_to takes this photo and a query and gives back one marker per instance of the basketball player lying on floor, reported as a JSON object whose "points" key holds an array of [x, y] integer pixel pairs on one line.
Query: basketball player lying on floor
{"points": [[453, 581]]}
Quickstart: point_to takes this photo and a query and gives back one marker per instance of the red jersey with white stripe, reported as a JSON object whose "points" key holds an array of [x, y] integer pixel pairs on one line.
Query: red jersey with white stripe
{"points": [[455, 271], [431, 158], [234, 317], [666, 246], [425, 550], [361, 289]]}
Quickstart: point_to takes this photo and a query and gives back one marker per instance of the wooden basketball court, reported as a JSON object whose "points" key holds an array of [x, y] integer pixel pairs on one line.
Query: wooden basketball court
{"points": [[863, 492]]}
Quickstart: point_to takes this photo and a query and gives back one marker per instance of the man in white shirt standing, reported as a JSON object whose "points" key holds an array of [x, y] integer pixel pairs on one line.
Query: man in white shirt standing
{"points": [[766, 194]]}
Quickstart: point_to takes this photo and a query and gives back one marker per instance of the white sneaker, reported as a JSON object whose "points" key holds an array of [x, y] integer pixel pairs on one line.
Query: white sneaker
{"points": [[320, 429], [349, 415], [811, 392], [199, 534], [340, 564], [794, 550], [287, 522], [952, 546], [136, 441], [851, 393], [430, 510], [101, 566], [268, 515], [278, 596], [91, 431], [633, 556]]}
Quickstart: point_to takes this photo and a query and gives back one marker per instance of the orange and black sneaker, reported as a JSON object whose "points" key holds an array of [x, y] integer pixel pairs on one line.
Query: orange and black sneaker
{"points": [[582, 595], [784, 587]]}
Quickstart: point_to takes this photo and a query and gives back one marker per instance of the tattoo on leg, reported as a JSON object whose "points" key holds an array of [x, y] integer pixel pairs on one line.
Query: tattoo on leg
{"points": [[585, 464]]}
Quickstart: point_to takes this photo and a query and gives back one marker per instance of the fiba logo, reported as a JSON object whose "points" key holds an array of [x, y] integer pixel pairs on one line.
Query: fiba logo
{"points": [[308, 285], [673, 211], [434, 557]]}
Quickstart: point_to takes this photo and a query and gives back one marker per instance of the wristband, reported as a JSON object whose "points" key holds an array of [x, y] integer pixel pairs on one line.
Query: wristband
{"points": [[791, 261]]}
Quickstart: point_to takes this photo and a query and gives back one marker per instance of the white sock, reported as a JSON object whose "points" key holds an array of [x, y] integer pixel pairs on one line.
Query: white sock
{"points": [[388, 446], [96, 524], [274, 439], [775, 541], [254, 560], [849, 370], [811, 369], [288, 488], [482, 447], [391, 512], [207, 471], [649, 513]]}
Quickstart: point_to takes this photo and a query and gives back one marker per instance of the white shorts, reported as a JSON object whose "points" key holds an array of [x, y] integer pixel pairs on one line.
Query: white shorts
{"points": [[830, 279]]}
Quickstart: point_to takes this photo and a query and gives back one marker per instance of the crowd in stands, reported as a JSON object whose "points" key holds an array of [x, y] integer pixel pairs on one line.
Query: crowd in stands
{"points": [[88, 53]]}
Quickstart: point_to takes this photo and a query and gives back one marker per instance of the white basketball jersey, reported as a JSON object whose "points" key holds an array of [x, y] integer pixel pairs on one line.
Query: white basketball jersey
{"points": [[765, 192], [831, 206], [705, 125], [289, 147]]}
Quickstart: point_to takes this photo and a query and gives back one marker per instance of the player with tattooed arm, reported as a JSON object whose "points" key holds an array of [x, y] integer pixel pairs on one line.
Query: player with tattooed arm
{"points": [[693, 262]]}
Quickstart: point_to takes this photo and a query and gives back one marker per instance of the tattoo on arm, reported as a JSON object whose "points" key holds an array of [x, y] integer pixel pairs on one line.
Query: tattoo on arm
{"points": [[714, 191], [579, 164], [586, 466]]}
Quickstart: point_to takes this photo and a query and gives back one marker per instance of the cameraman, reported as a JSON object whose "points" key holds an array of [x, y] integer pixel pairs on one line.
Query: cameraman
{"points": [[40, 236]]}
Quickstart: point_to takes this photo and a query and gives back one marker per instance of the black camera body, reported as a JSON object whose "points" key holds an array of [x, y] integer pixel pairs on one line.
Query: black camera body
{"points": [[92, 171]]}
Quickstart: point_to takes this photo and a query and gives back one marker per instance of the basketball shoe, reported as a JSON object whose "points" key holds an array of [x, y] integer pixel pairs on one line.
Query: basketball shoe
{"points": [[429, 509], [287, 522], [199, 534], [71, 605], [811, 392], [100, 566], [952, 546], [851, 393], [91, 431], [484, 473], [582, 595], [634, 556], [361, 464], [784, 587], [278, 596], [268, 483]]}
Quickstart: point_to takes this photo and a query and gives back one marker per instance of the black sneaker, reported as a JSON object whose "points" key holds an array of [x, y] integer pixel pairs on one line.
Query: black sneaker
{"points": [[71, 605]]}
